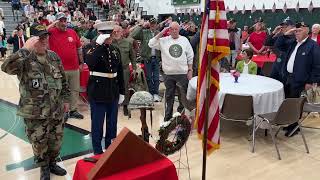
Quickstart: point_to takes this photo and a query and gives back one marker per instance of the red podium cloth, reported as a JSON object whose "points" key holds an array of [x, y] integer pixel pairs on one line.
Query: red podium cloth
{"points": [[261, 59], [158, 170]]}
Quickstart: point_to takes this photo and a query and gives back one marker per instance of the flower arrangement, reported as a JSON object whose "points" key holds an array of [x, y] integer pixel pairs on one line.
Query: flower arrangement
{"points": [[235, 74]]}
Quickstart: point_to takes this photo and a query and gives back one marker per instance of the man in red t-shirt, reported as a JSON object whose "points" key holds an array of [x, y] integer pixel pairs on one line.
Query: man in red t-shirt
{"points": [[66, 43]]}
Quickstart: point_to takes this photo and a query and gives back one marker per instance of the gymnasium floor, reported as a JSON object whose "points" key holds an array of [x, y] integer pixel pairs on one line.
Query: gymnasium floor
{"points": [[233, 161]]}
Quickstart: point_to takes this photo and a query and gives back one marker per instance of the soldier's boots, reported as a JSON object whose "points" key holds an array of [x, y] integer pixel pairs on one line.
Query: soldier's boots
{"points": [[44, 173], [75, 114], [57, 170]]}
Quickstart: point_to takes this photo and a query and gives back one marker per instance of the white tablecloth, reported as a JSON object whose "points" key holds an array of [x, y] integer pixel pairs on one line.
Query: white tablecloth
{"points": [[267, 93]]}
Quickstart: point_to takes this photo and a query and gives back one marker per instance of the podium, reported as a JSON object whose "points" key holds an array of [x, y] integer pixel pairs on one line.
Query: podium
{"points": [[127, 158]]}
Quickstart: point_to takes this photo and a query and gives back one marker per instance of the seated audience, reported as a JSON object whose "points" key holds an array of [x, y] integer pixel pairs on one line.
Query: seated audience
{"points": [[247, 66]]}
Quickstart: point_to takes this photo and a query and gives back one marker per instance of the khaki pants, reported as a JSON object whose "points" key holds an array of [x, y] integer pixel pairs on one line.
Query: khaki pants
{"points": [[73, 78]]}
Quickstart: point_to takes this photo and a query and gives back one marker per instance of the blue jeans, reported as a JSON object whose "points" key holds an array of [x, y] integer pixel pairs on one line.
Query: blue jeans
{"points": [[100, 111], [152, 76]]}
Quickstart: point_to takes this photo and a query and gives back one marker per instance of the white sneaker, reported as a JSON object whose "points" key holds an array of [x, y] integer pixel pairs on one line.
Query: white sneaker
{"points": [[156, 98]]}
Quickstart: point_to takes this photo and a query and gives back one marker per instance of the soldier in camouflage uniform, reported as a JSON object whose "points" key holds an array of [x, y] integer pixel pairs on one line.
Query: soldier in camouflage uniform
{"points": [[125, 45], [44, 94], [144, 32]]}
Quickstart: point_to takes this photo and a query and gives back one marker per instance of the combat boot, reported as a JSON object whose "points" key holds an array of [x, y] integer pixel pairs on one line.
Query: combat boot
{"points": [[45, 173], [57, 170], [75, 115]]}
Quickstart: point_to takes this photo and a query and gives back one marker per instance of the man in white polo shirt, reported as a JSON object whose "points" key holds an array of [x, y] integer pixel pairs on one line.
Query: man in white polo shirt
{"points": [[177, 58]]}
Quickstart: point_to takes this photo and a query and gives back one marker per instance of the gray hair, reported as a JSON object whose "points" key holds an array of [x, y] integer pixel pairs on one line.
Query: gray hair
{"points": [[316, 26]]}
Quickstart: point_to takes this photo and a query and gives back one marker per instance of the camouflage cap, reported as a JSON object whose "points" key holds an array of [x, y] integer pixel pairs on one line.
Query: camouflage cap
{"points": [[38, 30], [141, 99]]}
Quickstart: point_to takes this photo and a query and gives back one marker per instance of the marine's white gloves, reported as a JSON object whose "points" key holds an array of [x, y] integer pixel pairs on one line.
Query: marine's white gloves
{"points": [[121, 99], [101, 38]]}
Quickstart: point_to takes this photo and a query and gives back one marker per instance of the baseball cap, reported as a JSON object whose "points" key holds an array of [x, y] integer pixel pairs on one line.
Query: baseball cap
{"points": [[287, 22], [232, 20], [260, 20], [61, 15], [38, 30], [301, 24]]}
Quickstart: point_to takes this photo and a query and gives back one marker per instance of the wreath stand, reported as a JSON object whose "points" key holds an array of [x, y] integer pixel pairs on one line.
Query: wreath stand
{"points": [[186, 164], [181, 164]]}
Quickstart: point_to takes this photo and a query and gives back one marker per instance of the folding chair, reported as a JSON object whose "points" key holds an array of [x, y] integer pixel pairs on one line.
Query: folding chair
{"points": [[288, 113], [307, 108], [238, 108]]}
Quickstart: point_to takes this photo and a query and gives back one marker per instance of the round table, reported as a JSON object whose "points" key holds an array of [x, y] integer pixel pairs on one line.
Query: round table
{"points": [[267, 93]]}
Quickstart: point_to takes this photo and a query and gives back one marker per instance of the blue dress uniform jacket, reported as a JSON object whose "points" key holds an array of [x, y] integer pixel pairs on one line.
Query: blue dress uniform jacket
{"points": [[103, 93], [280, 48], [105, 59], [306, 65]]}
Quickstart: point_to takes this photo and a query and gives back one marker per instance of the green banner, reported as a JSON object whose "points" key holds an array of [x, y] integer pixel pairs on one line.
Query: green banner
{"points": [[185, 2]]}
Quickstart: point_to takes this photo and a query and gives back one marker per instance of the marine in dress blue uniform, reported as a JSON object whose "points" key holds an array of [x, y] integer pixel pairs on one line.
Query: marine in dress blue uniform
{"points": [[105, 87]]}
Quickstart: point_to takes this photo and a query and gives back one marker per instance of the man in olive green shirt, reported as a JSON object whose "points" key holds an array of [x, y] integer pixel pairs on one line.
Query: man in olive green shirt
{"points": [[150, 56], [125, 45]]}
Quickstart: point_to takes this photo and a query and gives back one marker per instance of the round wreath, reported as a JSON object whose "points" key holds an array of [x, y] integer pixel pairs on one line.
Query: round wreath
{"points": [[179, 126]]}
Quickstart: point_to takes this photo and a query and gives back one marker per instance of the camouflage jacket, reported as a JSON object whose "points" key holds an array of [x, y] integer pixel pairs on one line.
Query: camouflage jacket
{"points": [[43, 86], [144, 35], [127, 53]]}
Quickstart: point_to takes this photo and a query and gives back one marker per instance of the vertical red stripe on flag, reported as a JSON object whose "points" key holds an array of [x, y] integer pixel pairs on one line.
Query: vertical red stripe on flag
{"points": [[218, 46]]}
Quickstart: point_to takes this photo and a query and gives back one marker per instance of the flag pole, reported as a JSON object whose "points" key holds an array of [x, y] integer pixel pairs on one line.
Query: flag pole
{"points": [[205, 135], [207, 101]]}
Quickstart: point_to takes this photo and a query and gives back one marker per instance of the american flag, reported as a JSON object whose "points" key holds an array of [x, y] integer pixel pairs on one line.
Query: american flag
{"points": [[214, 45]]}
